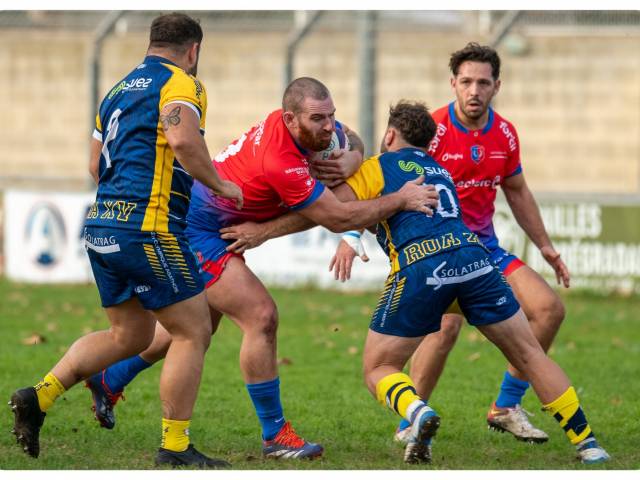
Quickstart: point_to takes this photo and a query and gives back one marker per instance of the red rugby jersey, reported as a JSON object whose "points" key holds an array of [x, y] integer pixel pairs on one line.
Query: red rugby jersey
{"points": [[270, 168], [478, 160]]}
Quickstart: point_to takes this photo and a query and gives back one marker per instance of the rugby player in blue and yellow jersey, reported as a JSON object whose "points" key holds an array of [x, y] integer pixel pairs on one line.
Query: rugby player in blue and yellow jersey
{"points": [[435, 261], [145, 152]]}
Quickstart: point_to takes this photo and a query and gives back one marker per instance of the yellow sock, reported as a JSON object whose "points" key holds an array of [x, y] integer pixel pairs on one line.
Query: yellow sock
{"points": [[567, 411], [397, 392], [48, 390], [175, 434]]}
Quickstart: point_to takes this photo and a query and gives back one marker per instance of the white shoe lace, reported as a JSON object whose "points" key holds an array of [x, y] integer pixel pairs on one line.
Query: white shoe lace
{"points": [[523, 414]]}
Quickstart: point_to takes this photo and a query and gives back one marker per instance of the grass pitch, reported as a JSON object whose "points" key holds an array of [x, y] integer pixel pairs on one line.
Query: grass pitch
{"points": [[321, 337]]}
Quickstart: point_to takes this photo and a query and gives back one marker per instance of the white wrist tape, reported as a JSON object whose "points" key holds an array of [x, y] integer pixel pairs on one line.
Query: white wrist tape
{"points": [[352, 238]]}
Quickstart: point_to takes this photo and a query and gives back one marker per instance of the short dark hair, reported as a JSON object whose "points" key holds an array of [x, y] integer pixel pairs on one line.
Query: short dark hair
{"points": [[474, 52], [174, 30], [413, 121], [301, 88]]}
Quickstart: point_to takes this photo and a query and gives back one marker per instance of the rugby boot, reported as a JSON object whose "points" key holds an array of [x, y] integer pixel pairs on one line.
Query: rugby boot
{"points": [[103, 400], [189, 458], [515, 420], [423, 428], [402, 435], [590, 452], [28, 419], [288, 444]]}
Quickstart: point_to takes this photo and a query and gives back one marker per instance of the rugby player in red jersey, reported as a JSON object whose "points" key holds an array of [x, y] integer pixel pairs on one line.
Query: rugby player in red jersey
{"points": [[269, 162]]}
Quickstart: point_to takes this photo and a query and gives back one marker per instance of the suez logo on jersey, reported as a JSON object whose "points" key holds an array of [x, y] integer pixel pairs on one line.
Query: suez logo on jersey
{"points": [[133, 84]]}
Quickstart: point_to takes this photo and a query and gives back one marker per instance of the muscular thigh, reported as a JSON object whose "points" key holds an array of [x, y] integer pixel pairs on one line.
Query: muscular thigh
{"points": [[238, 293], [531, 290], [380, 349]]}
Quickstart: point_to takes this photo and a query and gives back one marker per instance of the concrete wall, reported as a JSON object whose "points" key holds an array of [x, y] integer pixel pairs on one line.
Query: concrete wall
{"points": [[575, 100]]}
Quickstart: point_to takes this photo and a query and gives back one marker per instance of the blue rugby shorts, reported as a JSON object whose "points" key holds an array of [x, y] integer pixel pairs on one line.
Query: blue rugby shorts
{"points": [[158, 268], [415, 298]]}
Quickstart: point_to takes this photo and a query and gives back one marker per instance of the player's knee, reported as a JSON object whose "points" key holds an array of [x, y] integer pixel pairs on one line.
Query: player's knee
{"points": [[132, 343], [551, 312], [449, 331], [267, 320]]}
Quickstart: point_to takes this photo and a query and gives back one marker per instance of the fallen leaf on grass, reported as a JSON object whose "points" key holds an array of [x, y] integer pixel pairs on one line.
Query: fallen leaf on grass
{"points": [[474, 356], [285, 361], [617, 342], [616, 401], [34, 339], [352, 350]]}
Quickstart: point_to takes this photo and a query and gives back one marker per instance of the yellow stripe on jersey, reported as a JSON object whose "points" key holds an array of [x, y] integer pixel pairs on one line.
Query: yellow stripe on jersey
{"points": [[174, 256], [393, 253], [98, 123], [181, 87], [368, 181]]}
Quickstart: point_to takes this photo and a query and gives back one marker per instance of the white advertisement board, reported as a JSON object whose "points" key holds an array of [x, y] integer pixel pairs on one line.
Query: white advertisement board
{"points": [[43, 240], [43, 243], [599, 243]]}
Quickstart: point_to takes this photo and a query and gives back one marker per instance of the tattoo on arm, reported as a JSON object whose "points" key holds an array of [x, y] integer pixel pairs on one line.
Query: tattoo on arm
{"points": [[172, 119], [355, 143]]}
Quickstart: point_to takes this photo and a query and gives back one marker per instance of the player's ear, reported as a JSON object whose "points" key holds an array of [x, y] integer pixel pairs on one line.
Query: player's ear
{"points": [[498, 83], [289, 118], [387, 139], [193, 51]]}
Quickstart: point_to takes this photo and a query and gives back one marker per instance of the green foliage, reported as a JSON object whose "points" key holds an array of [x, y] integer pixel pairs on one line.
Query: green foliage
{"points": [[320, 346]]}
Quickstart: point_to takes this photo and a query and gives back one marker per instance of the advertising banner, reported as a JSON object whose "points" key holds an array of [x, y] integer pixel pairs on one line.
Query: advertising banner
{"points": [[43, 240], [600, 244]]}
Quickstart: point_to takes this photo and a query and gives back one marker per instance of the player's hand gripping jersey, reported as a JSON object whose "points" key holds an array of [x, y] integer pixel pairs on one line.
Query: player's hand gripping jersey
{"points": [[479, 161], [270, 168], [142, 186], [408, 237]]}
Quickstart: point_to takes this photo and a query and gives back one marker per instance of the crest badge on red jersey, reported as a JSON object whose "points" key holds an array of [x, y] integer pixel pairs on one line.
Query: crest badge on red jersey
{"points": [[477, 153]]}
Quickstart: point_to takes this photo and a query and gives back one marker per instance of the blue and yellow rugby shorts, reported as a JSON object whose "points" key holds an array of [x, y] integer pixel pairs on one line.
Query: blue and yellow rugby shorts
{"points": [[415, 298], [158, 268]]}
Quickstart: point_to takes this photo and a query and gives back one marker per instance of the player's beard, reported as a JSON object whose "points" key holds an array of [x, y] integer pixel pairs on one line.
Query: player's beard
{"points": [[194, 70], [310, 141], [474, 115]]}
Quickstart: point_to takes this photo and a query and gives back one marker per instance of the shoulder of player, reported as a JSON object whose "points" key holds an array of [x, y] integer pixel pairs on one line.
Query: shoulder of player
{"points": [[501, 122], [180, 76], [440, 113]]}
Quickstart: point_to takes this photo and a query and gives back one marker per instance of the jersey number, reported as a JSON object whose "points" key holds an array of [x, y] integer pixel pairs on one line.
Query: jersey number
{"points": [[231, 150], [452, 209], [112, 131]]}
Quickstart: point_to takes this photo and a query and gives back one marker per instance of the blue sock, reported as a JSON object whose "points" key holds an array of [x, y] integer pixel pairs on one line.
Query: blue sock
{"points": [[511, 391], [266, 400], [120, 374], [403, 424]]}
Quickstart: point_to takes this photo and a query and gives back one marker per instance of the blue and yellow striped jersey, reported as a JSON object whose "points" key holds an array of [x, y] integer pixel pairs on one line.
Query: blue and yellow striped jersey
{"points": [[141, 184], [407, 237]]}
